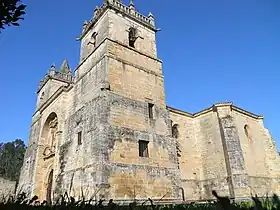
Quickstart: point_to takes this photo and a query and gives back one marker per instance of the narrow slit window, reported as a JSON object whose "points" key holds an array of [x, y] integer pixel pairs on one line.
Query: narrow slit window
{"points": [[80, 138], [42, 96], [132, 37], [151, 106], [248, 133], [143, 148], [175, 131]]}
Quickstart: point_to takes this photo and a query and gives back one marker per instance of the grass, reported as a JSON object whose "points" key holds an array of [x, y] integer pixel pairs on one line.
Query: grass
{"points": [[65, 202]]}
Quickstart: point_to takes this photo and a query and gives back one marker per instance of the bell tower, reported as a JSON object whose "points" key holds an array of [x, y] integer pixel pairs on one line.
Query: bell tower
{"points": [[128, 41], [120, 69]]}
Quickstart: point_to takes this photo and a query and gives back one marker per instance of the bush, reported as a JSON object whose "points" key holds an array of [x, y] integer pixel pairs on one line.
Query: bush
{"points": [[66, 202]]}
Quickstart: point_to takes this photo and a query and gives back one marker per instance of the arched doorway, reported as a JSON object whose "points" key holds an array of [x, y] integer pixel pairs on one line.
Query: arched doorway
{"points": [[49, 187], [44, 181]]}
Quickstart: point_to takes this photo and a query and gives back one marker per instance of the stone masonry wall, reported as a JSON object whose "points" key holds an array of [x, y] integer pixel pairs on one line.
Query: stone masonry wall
{"points": [[135, 78], [214, 143], [202, 163], [189, 155], [118, 30], [80, 166], [100, 164], [157, 175], [261, 157], [60, 108], [213, 169], [26, 180], [87, 43], [261, 146], [7, 188]]}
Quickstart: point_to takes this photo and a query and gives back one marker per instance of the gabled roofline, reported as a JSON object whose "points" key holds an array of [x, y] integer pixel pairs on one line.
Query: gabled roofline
{"points": [[177, 111], [243, 111], [212, 108], [57, 93]]}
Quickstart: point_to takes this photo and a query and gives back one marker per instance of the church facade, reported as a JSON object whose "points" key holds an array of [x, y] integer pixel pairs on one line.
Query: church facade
{"points": [[106, 132]]}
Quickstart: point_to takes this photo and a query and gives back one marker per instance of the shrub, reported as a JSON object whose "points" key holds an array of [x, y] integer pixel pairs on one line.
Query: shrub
{"points": [[66, 202]]}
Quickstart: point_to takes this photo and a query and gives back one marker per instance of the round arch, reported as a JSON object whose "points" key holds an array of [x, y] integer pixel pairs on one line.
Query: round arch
{"points": [[175, 131], [49, 130], [248, 132]]}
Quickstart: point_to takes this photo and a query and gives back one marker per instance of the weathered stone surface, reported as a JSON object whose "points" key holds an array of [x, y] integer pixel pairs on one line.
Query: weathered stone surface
{"points": [[103, 113], [216, 154], [7, 188]]}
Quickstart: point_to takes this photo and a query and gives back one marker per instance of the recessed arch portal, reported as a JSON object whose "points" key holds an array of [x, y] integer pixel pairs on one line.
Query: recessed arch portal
{"points": [[46, 157], [48, 135]]}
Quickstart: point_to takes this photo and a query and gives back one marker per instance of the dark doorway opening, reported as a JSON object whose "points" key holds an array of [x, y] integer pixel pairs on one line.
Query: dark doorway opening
{"points": [[49, 188]]}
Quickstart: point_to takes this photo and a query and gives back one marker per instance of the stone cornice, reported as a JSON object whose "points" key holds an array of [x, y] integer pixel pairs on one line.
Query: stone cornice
{"points": [[67, 78], [116, 58], [202, 112], [245, 112], [123, 45], [212, 108], [135, 50], [120, 8], [180, 112], [135, 66]]}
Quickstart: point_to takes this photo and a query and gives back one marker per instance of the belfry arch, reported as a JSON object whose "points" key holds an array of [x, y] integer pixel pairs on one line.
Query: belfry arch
{"points": [[46, 158]]}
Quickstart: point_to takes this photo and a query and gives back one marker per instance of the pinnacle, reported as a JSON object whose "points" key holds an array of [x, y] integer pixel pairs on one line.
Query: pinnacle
{"points": [[64, 67], [131, 5], [52, 67]]}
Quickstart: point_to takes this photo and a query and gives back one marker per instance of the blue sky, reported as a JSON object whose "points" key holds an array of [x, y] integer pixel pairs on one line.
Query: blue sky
{"points": [[212, 51]]}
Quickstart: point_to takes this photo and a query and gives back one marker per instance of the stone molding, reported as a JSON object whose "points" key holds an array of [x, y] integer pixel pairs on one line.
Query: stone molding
{"points": [[123, 45], [213, 108], [52, 98], [68, 78]]}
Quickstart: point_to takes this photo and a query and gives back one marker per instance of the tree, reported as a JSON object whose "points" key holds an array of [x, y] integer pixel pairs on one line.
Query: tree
{"points": [[11, 11], [11, 159]]}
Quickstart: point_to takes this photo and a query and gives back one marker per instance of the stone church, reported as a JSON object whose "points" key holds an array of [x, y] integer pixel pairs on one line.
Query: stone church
{"points": [[106, 132]]}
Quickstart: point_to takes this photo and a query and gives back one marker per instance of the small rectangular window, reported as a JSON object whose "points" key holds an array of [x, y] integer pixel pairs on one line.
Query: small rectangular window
{"points": [[80, 138], [151, 110], [143, 148]]}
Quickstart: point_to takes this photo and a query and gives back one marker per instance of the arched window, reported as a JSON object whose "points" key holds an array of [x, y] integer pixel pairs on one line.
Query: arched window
{"points": [[175, 131], [175, 134], [248, 133], [132, 36]]}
